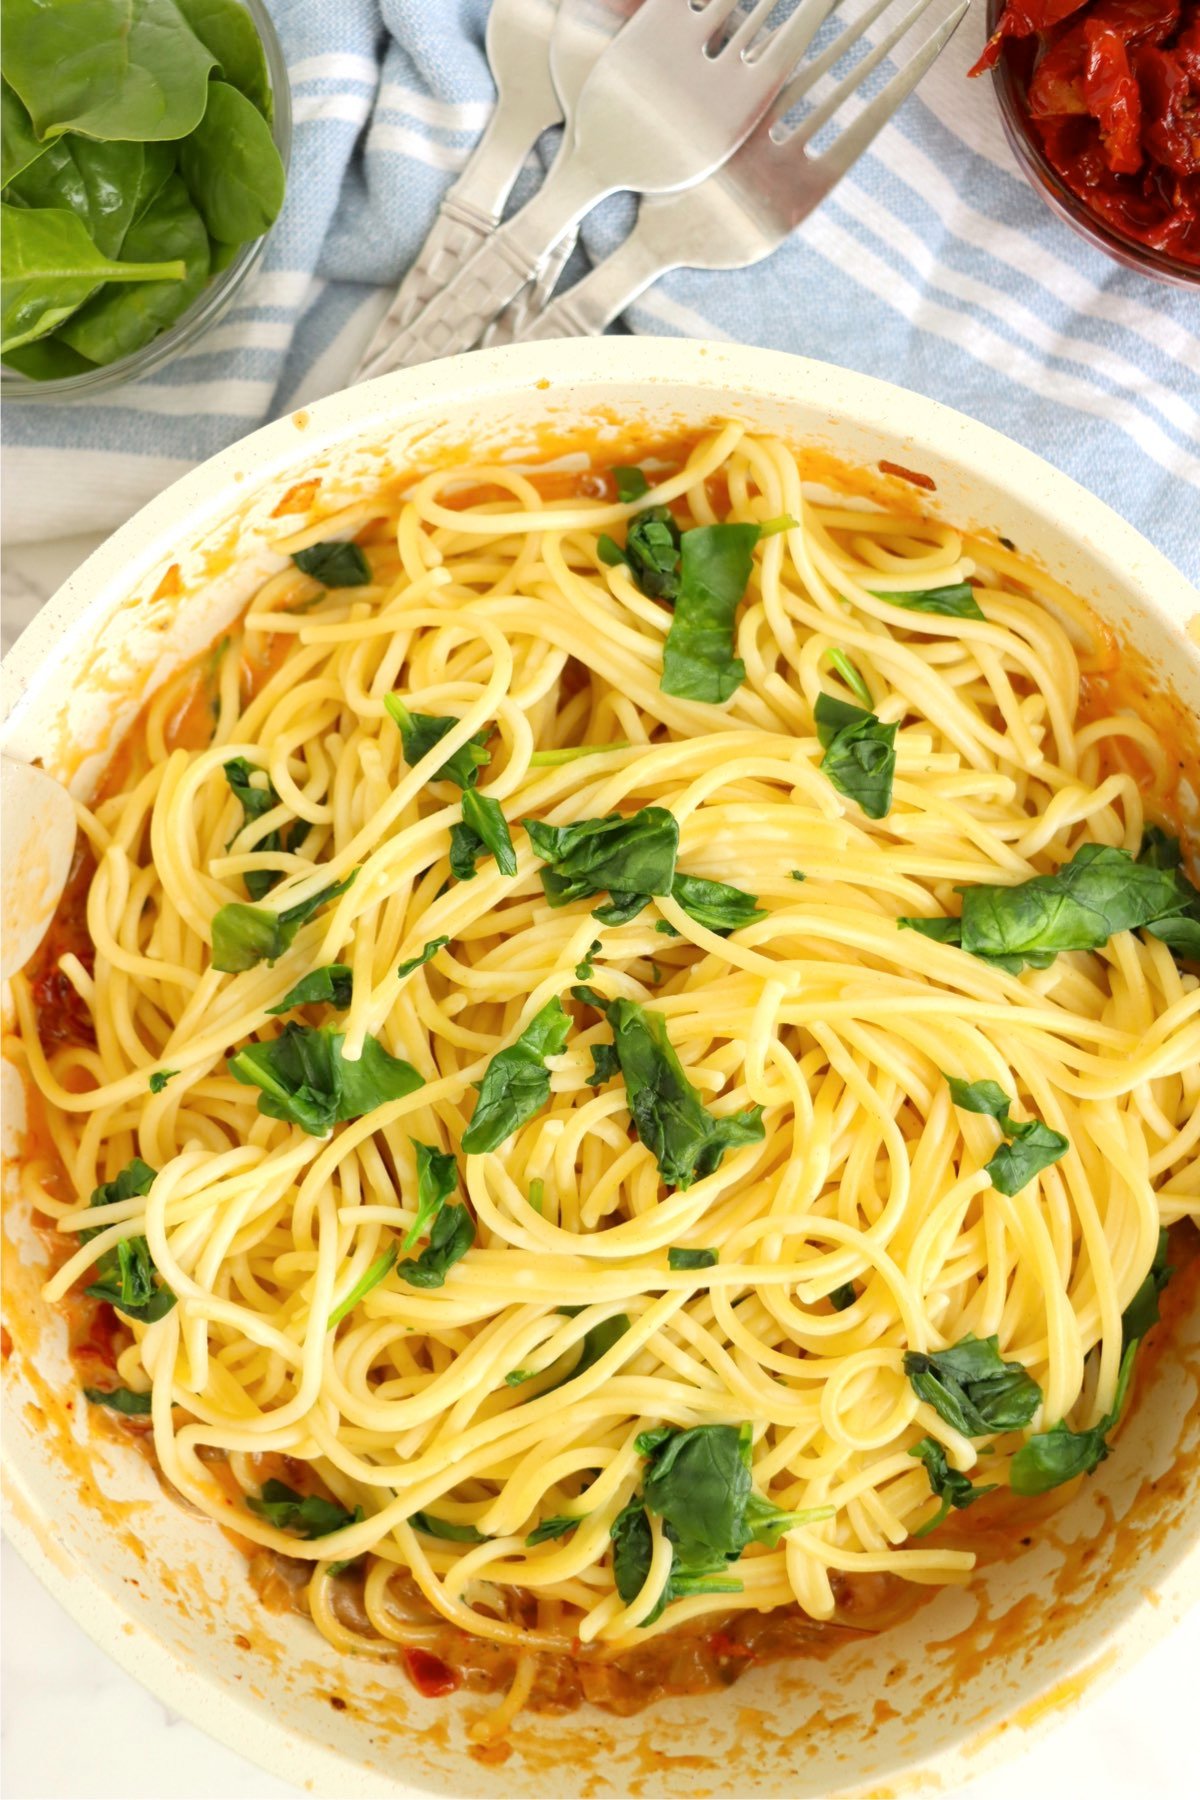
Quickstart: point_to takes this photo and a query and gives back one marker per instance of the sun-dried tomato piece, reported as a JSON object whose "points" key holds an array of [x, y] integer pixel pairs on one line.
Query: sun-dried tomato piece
{"points": [[1024, 18], [1057, 85], [1172, 130], [1113, 97]]}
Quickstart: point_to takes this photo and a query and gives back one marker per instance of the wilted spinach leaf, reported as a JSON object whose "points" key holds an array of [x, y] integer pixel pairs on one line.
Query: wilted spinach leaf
{"points": [[860, 753], [516, 1083], [305, 1080], [957, 601], [1051, 1457], [714, 568], [972, 1388], [336, 564], [437, 1178], [630, 857], [952, 1487], [1032, 1145], [332, 985], [452, 1235], [309, 1515], [245, 935]]}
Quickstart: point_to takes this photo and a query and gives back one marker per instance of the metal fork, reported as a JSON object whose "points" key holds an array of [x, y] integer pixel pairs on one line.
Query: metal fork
{"points": [[755, 200], [661, 109], [518, 52], [582, 31]]}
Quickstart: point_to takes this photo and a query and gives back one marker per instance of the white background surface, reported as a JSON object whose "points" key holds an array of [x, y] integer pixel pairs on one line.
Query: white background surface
{"points": [[73, 1726]]}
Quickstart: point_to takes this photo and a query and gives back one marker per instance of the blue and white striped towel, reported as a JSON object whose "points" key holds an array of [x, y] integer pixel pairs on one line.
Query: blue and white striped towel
{"points": [[933, 264]]}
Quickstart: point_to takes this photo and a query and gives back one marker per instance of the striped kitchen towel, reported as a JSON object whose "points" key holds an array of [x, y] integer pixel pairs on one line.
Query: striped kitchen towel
{"points": [[933, 265]]}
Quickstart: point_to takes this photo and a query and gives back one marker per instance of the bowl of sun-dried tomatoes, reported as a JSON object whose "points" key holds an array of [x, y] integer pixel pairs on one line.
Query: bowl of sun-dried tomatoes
{"points": [[1101, 103]]}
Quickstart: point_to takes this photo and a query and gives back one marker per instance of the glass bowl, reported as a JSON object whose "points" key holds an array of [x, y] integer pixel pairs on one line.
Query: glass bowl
{"points": [[215, 299], [1010, 82]]}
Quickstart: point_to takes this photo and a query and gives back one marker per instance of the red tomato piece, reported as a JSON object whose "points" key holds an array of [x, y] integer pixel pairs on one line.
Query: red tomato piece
{"points": [[1137, 21], [1187, 49], [1172, 130], [1057, 85], [1113, 97], [1022, 18], [429, 1674]]}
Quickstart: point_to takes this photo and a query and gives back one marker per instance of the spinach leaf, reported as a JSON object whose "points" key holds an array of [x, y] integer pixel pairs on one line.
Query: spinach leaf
{"points": [[1142, 1311], [596, 1343], [488, 828], [128, 1276], [160, 1078], [232, 169], [850, 675], [843, 1297], [245, 935], [421, 732], [699, 1481], [860, 753], [306, 1081], [331, 985], [1159, 849], [128, 69], [20, 145], [121, 1400], [99, 182], [1101, 890], [47, 360], [559, 1525], [49, 266], [255, 802], [516, 1083], [952, 1487], [957, 601], [1032, 1145], [437, 1178], [337, 564], [633, 1549], [972, 1388], [427, 954], [685, 1139], [120, 319], [129, 1280], [382, 1266], [444, 1528], [604, 1064], [226, 28], [452, 1235], [585, 970], [631, 484], [310, 1515], [1051, 1457], [714, 568], [651, 552], [691, 1259], [631, 857], [715, 904]]}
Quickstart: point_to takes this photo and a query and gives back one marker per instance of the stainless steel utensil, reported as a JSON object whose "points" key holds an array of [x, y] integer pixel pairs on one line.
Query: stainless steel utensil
{"points": [[754, 201], [665, 105], [518, 50], [582, 31]]}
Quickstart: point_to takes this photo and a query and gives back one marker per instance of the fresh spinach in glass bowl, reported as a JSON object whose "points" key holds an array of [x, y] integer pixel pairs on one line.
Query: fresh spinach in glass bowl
{"points": [[145, 147]]}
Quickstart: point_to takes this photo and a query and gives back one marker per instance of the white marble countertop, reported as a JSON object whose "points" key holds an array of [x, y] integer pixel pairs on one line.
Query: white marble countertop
{"points": [[75, 1727]]}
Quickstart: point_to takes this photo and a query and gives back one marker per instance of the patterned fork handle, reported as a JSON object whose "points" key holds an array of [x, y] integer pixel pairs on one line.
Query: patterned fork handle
{"points": [[597, 298], [517, 320]]}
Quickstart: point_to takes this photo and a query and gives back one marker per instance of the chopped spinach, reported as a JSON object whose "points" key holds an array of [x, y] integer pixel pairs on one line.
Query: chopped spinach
{"points": [[416, 962], [451, 1237], [684, 1138], [843, 1297], [1101, 890], [309, 1515], [336, 564], [850, 675], [305, 1080], [246, 935], [1051, 1457], [1142, 1311], [972, 1388], [952, 1487], [559, 1525], [651, 552], [255, 802], [630, 483], [956, 601], [121, 1400], [691, 1259], [699, 1481], [553, 759], [1032, 1145], [330, 985], [516, 1083], [446, 1529], [715, 904], [631, 857], [422, 732], [714, 569], [437, 1178], [585, 970], [633, 1550], [860, 753], [160, 1078], [128, 1278]]}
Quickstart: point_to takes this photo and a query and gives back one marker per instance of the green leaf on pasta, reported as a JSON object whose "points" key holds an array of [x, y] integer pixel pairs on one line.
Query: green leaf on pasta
{"points": [[331, 985], [334, 564], [450, 1238], [691, 1259], [516, 1083], [1051, 1457], [121, 1400], [244, 936], [437, 1179], [714, 570], [629, 856], [305, 1080], [715, 904], [860, 753], [1032, 1145], [951, 1487], [955, 601], [1142, 1311], [972, 1388], [308, 1515], [427, 954]]}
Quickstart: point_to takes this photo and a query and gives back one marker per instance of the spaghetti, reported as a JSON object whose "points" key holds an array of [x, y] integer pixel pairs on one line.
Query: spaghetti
{"points": [[592, 1276]]}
